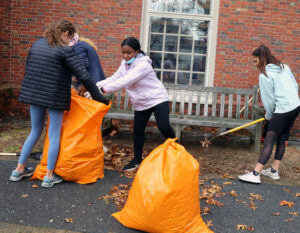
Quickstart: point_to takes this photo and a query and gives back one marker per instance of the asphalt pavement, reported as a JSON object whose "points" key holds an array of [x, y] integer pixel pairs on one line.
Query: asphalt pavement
{"points": [[21, 204]]}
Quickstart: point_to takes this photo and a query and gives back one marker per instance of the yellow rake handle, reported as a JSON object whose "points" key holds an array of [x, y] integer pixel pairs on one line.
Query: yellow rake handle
{"points": [[242, 126]]}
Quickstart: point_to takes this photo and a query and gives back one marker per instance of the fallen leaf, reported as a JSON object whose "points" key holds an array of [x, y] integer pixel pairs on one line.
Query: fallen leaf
{"points": [[289, 220], [24, 195], [220, 195], [297, 194], [256, 196], [250, 229], [205, 210], [289, 203], [34, 186], [233, 193], [294, 213], [68, 220], [286, 190], [241, 227], [227, 183], [276, 214], [209, 223]]}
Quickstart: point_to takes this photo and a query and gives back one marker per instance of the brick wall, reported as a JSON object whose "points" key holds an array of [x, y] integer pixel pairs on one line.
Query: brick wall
{"points": [[243, 25]]}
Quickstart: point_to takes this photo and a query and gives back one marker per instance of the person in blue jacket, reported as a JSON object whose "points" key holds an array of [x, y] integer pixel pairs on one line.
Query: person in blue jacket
{"points": [[279, 95], [86, 51]]}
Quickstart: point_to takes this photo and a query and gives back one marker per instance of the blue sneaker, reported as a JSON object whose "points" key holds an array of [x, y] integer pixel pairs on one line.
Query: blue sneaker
{"points": [[48, 183], [17, 176]]}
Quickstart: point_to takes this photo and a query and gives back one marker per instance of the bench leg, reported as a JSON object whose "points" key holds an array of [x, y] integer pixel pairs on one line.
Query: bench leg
{"points": [[257, 137], [178, 132]]}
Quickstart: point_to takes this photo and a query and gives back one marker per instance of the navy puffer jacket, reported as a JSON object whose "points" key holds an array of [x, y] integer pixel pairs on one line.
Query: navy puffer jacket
{"points": [[48, 72]]}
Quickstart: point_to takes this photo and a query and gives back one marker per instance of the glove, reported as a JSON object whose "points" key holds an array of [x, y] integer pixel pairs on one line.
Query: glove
{"points": [[98, 84], [87, 95], [103, 100]]}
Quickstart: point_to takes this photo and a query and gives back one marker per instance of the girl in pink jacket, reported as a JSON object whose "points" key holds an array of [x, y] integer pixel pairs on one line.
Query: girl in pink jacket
{"points": [[146, 92]]}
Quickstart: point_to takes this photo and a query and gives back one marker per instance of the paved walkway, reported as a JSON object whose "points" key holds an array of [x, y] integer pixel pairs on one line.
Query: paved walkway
{"points": [[15, 228]]}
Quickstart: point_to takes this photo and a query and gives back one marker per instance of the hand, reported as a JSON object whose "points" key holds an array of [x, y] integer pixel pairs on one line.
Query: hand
{"points": [[98, 84], [81, 90]]}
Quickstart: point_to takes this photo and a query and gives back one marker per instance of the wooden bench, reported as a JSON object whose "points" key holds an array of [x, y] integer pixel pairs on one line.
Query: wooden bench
{"points": [[201, 106]]}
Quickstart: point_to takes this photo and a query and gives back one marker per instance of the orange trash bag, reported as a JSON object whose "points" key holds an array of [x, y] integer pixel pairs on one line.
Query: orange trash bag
{"points": [[81, 156], [164, 196]]}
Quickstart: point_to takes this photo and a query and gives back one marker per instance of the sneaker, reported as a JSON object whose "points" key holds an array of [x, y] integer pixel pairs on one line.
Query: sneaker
{"points": [[250, 177], [269, 173], [48, 183], [17, 176], [132, 165]]}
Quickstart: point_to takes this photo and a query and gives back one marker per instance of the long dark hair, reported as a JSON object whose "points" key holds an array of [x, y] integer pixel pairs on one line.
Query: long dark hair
{"points": [[133, 43], [53, 32], [265, 58]]}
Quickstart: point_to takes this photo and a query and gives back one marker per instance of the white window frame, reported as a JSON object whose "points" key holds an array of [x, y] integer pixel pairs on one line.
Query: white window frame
{"points": [[213, 18]]}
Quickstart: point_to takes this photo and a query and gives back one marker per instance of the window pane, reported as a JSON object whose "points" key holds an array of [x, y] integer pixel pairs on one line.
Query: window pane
{"points": [[158, 5], [156, 42], [169, 77], [188, 6], [156, 60], [184, 62], [198, 79], [201, 28], [186, 44], [200, 46], [171, 43], [173, 6], [172, 26], [170, 61], [157, 25], [183, 78], [203, 7], [199, 63]]}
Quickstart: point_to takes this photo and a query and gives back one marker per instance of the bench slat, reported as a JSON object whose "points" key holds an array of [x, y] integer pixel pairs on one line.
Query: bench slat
{"points": [[246, 116], [119, 99], [214, 104], [198, 104], [181, 111], [174, 101], [230, 106], [222, 105], [190, 103], [126, 100], [206, 103], [238, 106]]}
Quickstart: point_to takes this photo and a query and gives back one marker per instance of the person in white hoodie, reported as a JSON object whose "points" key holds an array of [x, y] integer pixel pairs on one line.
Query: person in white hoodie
{"points": [[279, 95], [146, 92]]}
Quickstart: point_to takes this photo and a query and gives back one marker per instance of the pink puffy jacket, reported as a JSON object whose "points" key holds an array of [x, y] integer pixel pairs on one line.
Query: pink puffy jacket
{"points": [[144, 88]]}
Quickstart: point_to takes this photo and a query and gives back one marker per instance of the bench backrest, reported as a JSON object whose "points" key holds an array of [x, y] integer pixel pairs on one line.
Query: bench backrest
{"points": [[194, 101]]}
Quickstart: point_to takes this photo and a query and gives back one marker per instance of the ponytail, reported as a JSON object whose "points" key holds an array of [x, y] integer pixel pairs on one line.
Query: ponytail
{"points": [[54, 31]]}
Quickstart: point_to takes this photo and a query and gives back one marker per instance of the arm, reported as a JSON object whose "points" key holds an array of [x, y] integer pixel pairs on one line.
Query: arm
{"points": [[82, 55], [139, 71], [110, 79], [81, 73], [267, 95]]}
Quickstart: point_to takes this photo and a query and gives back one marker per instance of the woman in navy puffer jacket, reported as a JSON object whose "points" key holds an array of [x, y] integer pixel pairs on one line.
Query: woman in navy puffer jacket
{"points": [[47, 86]]}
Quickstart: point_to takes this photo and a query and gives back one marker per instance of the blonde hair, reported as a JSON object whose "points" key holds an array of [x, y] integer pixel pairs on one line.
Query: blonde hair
{"points": [[54, 31], [91, 43]]}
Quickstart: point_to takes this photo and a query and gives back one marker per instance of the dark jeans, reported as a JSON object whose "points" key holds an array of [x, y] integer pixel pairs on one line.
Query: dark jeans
{"points": [[141, 118]]}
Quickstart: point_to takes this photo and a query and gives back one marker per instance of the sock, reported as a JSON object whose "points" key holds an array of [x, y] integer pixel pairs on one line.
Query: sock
{"points": [[273, 170], [255, 173]]}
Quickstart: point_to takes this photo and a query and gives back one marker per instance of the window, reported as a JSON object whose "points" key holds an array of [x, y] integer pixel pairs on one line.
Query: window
{"points": [[180, 38]]}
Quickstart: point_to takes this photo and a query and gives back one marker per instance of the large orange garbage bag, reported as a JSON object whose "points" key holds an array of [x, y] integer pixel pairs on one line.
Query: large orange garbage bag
{"points": [[164, 196], [81, 156]]}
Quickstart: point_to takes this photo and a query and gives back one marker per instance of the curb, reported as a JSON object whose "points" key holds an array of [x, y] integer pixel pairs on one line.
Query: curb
{"points": [[15, 228]]}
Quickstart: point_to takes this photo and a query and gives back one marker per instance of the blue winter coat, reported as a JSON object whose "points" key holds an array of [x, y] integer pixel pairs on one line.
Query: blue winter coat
{"points": [[89, 58]]}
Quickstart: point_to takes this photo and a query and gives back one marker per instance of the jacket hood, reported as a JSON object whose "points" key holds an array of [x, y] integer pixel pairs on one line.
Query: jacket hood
{"points": [[274, 68]]}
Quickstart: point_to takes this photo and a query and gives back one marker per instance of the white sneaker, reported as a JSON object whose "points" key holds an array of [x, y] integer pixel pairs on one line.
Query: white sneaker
{"points": [[269, 173], [250, 177]]}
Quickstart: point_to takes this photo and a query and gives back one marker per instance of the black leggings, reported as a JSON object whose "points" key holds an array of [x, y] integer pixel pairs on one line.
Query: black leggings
{"points": [[278, 131], [141, 118]]}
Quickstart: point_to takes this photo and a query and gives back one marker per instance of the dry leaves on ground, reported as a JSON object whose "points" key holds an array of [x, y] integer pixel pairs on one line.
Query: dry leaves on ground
{"points": [[244, 227], [294, 213], [119, 195], [288, 203], [68, 220]]}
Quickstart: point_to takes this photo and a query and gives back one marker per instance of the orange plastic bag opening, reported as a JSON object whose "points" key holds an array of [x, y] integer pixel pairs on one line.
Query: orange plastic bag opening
{"points": [[164, 196], [81, 156]]}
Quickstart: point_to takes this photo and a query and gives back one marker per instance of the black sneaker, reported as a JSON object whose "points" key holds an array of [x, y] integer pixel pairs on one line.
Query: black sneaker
{"points": [[132, 165]]}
